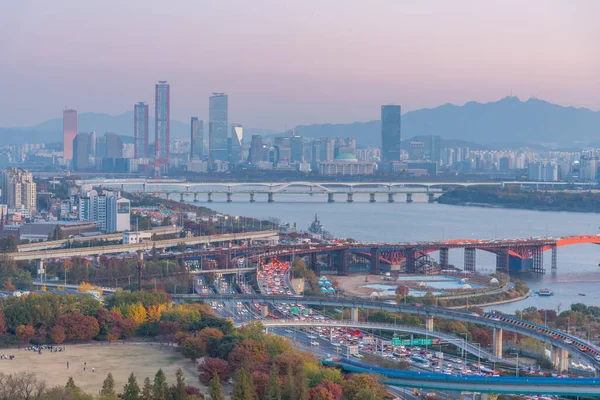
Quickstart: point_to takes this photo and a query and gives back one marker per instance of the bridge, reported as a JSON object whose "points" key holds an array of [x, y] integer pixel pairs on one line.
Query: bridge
{"points": [[460, 343], [144, 246], [588, 387], [560, 347]]}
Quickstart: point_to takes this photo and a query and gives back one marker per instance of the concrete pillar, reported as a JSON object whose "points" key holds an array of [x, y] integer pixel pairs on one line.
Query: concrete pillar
{"points": [[264, 310], [470, 259], [354, 313], [144, 188], [498, 342], [409, 198], [229, 197], [329, 260], [330, 198], [390, 197], [41, 272], [563, 363], [196, 197], [372, 198], [168, 195], [444, 257], [409, 264], [343, 262], [430, 197], [181, 197], [429, 323], [502, 262], [314, 264], [252, 198], [271, 198], [375, 262], [349, 200], [209, 197], [554, 258], [554, 356]]}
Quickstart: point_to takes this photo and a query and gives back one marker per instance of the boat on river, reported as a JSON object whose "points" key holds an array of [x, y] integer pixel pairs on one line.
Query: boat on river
{"points": [[545, 292]]}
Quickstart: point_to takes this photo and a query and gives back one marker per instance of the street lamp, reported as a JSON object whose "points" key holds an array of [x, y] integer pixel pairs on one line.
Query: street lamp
{"points": [[465, 343], [517, 370]]}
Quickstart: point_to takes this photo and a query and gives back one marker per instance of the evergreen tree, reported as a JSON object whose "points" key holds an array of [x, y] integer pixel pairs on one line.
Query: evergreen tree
{"points": [[131, 391], [179, 389], [71, 384], [301, 391], [243, 386], [273, 389], [288, 386], [147, 391], [160, 389], [215, 392], [108, 388]]}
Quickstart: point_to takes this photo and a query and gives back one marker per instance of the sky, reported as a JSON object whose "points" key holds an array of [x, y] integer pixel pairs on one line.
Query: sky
{"points": [[288, 62]]}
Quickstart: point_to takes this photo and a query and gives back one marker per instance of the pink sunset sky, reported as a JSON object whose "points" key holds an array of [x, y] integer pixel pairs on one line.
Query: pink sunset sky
{"points": [[288, 62]]}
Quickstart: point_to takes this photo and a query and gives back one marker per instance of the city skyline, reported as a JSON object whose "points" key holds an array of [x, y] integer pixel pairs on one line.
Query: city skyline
{"points": [[446, 53]]}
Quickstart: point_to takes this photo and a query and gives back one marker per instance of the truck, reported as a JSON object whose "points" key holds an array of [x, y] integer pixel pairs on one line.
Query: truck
{"points": [[439, 355]]}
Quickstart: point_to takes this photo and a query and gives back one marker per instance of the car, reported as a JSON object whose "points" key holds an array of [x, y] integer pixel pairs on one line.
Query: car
{"points": [[597, 358], [555, 337], [583, 349], [568, 341], [313, 343]]}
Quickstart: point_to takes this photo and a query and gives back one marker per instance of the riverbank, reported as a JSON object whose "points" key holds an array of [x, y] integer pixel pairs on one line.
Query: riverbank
{"points": [[497, 303]]}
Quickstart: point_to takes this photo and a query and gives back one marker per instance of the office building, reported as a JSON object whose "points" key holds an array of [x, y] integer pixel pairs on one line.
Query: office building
{"points": [[92, 148], [140, 130], [256, 150], [114, 145], [346, 164], [416, 151], [69, 133], [217, 127], [162, 126], [81, 152], [390, 133], [196, 139], [296, 149], [236, 143], [431, 147], [19, 191]]}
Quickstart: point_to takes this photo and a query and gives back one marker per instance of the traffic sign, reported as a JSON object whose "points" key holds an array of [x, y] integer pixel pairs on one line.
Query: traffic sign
{"points": [[294, 310], [415, 342]]}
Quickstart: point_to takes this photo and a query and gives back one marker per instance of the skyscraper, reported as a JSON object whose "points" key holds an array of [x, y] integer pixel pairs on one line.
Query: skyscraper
{"points": [[196, 139], [69, 132], [217, 127], [18, 189], [81, 152], [140, 130], [236, 140], [256, 149], [114, 145], [162, 112], [390, 133], [296, 146]]}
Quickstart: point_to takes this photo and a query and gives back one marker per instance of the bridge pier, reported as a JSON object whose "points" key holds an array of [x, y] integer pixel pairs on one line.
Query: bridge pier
{"points": [[498, 342], [354, 314], [330, 198], [229, 197], [409, 264], [195, 197], [343, 267], [349, 200], [252, 198], [470, 260], [209, 194], [41, 271], [390, 197], [181, 197], [264, 310], [313, 263], [554, 357], [538, 261], [502, 262], [554, 258], [168, 195], [270, 197], [429, 323], [430, 197], [563, 360], [372, 198], [444, 257], [409, 198], [375, 262], [330, 261]]}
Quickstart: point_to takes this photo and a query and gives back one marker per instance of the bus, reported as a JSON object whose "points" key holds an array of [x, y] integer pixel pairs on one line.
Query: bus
{"points": [[420, 362]]}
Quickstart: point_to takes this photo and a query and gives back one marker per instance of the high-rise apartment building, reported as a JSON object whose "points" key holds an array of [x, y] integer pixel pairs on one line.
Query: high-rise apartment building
{"points": [[196, 139], [162, 112], [18, 189], [109, 211], [217, 127], [81, 151], [69, 132], [235, 144], [140, 130], [390, 133]]}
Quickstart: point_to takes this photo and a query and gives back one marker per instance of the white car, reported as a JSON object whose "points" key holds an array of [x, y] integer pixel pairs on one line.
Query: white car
{"points": [[313, 343], [568, 341]]}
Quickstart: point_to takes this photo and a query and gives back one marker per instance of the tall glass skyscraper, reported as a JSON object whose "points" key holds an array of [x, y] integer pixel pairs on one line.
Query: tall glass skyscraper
{"points": [[236, 142], [69, 132], [217, 127], [390, 133], [140, 130], [196, 138], [162, 112]]}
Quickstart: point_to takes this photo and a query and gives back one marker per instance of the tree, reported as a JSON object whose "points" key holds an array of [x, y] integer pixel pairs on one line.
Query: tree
{"points": [[326, 390], [249, 352], [359, 382], [57, 334], [215, 392], [8, 285], [273, 388], [160, 389], [301, 391], [129, 327], [148, 390], [71, 384], [131, 391], [366, 394], [137, 312], [2, 322], [243, 387], [25, 333], [288, 385], [211, 367], [207, 333], [78, 326], [193, 348], [167, 328], [179, 389], [108, 388]]}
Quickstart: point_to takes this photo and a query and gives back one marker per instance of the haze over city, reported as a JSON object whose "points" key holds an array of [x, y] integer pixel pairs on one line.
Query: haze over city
{"points": [[289, 63]]}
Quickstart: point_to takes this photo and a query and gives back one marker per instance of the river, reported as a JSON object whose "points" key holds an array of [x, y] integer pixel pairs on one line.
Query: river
{"points": [[578, 270]]}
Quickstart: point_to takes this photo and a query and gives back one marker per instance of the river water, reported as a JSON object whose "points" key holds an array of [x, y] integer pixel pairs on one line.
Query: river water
{"points": [[578, 270]]}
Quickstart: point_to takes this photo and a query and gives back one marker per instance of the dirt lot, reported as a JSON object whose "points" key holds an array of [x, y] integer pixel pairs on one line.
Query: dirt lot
{"points": [[352, 284], [119, 359]]}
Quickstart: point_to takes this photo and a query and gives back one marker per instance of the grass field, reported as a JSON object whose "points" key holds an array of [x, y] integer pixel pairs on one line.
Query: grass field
{"points": [[119, 359]]}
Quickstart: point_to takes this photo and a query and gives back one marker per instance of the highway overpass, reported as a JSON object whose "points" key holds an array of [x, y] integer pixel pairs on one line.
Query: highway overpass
{"points": [[559, 346], [130, 248]]}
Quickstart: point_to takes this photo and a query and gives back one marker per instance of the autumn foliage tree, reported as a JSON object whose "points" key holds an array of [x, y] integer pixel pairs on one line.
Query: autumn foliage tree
{"points": [[25, 333], [78, 326], [213, 366], [57, 334]]}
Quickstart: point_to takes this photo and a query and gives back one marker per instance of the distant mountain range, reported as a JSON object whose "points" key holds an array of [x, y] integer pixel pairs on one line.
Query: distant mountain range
{"points": [[507, 122]]}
